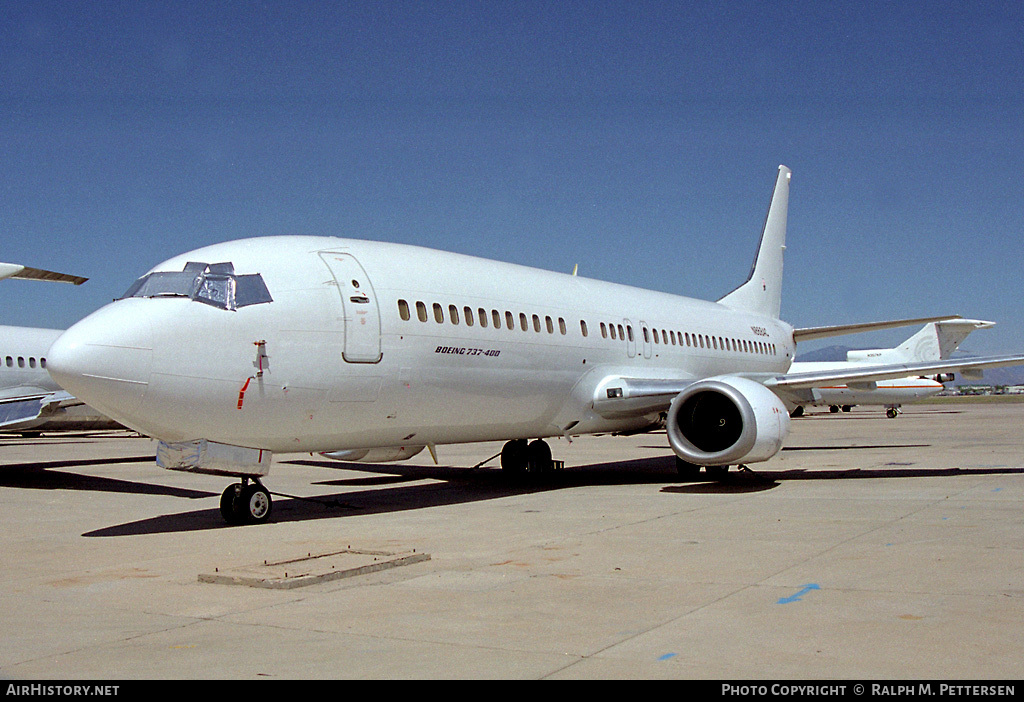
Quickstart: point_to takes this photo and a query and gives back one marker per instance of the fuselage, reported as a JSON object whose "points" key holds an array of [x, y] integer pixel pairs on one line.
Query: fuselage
{"points": [[884, 392], [369, 344], [23, 353]]}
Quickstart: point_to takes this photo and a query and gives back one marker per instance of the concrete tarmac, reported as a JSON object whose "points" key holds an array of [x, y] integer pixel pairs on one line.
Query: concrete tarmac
{"points": [[868, 549]]}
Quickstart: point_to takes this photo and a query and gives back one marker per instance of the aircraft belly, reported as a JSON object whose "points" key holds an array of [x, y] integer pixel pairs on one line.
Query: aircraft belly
{"points": [[449, 405]]}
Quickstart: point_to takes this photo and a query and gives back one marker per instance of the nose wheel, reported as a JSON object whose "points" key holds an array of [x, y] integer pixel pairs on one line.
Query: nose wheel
{"points": [[246, 503]]}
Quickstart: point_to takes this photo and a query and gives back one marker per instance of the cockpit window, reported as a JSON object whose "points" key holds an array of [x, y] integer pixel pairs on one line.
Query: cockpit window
{"points": [[213, 284]]}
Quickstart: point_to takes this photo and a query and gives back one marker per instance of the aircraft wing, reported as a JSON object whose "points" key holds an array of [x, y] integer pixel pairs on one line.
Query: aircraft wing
{"points": [[863, 377], [26, 409], [618, 397], [808, 333], [13, 270]]}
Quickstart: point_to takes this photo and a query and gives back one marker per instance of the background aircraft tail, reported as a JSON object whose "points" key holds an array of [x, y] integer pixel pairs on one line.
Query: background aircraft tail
{"points": [[936, 341], [762, 292]]}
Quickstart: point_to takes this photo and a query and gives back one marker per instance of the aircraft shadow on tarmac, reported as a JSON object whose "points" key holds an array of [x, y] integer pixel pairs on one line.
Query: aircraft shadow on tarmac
{"points": [[391, 489], [44, 475]]}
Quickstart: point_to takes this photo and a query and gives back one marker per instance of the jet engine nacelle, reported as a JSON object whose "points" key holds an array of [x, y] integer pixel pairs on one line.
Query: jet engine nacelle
{"points": [[726, 420]]}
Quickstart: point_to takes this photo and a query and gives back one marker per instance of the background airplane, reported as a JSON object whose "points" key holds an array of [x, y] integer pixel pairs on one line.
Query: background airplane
{"points": [[935, 341], [30, 401], [319, 344]]}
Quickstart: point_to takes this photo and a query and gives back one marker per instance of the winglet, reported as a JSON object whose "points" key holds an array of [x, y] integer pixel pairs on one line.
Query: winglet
{"points": [[762, 291]]}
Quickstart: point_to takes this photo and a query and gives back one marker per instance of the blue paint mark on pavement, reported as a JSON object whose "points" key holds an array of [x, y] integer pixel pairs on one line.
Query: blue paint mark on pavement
{"points": [[667, 656], [797, 596]]}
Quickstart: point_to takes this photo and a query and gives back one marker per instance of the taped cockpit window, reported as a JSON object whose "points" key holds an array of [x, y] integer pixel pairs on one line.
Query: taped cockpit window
{"points": [[212, 284]]}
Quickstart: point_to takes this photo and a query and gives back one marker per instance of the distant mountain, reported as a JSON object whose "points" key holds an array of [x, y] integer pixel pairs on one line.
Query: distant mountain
{"points": [[1013, 375], [829, 353]]}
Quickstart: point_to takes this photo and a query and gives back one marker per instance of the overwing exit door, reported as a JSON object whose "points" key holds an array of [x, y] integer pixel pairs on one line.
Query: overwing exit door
{"points": [[360, 312]]}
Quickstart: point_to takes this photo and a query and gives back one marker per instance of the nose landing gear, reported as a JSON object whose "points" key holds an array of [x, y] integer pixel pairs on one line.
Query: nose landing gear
{"points": [[246, 503]]}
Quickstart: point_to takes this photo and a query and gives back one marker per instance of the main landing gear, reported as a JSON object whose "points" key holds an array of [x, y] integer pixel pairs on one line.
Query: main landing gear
{"points": [[246, 503], [520, 457], [691, 471]]}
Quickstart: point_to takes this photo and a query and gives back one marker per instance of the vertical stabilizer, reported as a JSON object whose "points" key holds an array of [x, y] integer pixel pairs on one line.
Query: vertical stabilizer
{"points": [[762, 293], [935, 342]]}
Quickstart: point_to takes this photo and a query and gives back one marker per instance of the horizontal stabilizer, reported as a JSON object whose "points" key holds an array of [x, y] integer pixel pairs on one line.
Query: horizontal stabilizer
{"points": [[809, 333]]}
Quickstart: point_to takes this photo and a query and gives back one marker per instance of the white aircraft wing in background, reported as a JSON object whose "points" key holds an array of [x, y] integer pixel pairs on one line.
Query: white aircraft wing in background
{"points": [[14, 270], [867, 375]]}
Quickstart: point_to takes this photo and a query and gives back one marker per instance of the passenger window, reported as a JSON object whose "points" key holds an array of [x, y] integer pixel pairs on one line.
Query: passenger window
{"points": [[604, 331], [31, 362], [524, 322], [453, 314], [629, 331], [438, 313], [583, 328], [646, 337], [21, 362], [10, 362], [510, 321], [622, 333], [496, 316], [468, 313], [482, 314], [421, 312], [612, 328], [654, 334], [550, 326], [561, 326], [536, 323], [42, 363], [403, 310]]}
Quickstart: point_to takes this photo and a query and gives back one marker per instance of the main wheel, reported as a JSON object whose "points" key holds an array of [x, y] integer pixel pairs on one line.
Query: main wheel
{"points": [[687, 470], [513, 457], [716, 472], [538, 458]]}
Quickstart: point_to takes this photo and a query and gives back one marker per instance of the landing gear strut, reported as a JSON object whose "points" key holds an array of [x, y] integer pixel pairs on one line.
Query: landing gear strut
{"points": [[246, 503]]}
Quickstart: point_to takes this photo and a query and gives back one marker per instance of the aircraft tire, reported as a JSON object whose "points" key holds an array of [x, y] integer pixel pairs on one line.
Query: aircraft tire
{"points": [[253, 504], [538, 458], [227, 503], [687, 470], [716, 472], [514, 457]]}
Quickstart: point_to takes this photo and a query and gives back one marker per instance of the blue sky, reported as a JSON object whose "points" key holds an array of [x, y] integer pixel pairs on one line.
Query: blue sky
{"points": [[639, 140]]}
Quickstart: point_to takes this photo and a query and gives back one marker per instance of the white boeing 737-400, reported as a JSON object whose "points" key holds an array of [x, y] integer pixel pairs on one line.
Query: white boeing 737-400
{"points": [[320, 344]]}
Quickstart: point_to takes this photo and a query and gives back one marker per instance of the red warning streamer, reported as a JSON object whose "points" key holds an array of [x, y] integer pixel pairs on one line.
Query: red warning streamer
{"points": [[241, 393]]}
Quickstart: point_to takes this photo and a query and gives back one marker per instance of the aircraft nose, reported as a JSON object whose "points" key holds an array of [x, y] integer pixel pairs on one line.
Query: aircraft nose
{"points": [[104, 360]]}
